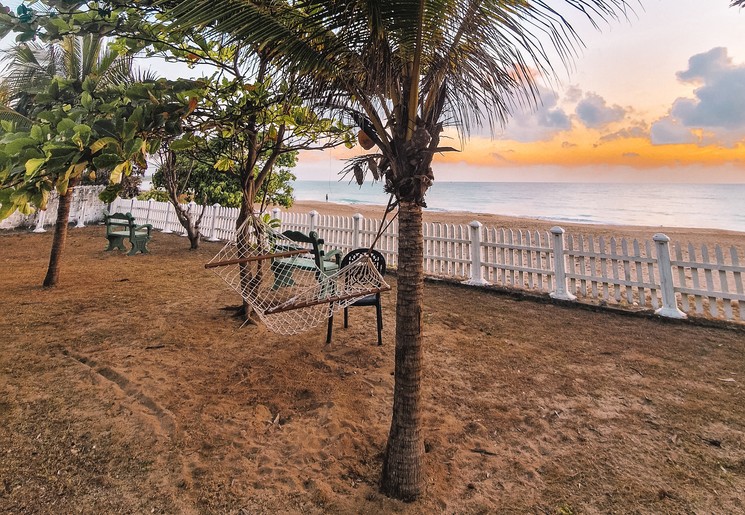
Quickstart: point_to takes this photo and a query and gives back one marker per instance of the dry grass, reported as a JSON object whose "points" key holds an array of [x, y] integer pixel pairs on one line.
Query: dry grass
{"points": [[129, 389]]}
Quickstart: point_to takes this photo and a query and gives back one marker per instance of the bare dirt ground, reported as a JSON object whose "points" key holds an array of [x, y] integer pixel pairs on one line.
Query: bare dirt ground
{"points": [[131, 389]]}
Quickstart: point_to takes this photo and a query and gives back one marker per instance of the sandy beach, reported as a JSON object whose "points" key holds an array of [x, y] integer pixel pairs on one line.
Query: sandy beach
{"points": [[698, 237]]}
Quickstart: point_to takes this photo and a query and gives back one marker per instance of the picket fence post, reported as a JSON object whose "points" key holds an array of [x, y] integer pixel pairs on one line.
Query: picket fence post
{"points": [[40, 221], [149, 210], [276, 213], [561, 291], [669, 302], [313, 216], [215, 209], [166, 226], [356, 230], [81, 209], [476, 278]]}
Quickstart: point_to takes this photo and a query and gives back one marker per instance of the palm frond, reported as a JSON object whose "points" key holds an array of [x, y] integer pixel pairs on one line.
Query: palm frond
{"points": [[478, 57], [16, 118], [70, 49], [93, 59]]}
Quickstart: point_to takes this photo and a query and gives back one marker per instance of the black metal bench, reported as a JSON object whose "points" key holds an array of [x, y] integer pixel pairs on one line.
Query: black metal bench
{"points": [[121, 226]]}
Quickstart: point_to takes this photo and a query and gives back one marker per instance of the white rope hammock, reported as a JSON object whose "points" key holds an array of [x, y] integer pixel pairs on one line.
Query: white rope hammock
{"points": [[282, 282]]}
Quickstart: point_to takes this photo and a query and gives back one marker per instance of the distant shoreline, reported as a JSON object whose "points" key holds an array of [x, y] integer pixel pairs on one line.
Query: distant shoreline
{"points": [[697, 236], [713, 206]]}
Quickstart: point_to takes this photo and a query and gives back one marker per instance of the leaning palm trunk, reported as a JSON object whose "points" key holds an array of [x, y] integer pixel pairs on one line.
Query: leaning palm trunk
{"points": [[403, 477], [60, 235]]}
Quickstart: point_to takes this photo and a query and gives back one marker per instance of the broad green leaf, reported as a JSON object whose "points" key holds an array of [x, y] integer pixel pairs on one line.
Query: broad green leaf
{"points": [[132, 146], [62, 186], [65, 124], [82, 135], [182, 144], [79, 168], [110, 192], [122, 168], [86, 99], [37, 133], [17, 145], [153, 145], [43, 200], [106, 161], [6, 205], [105, 128], [33, 165], [100, 143], [224, 164], [89, 85], [25, 208]]}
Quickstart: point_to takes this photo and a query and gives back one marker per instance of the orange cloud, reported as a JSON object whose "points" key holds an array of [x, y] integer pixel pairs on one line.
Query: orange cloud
{"points": [[585, 151]]}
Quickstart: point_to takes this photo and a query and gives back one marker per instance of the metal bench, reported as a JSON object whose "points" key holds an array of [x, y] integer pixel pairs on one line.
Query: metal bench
{"points": [[121, 226]]}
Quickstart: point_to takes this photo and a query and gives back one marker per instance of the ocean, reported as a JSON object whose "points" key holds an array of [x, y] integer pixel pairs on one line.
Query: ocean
{"points": [[713, 206]]}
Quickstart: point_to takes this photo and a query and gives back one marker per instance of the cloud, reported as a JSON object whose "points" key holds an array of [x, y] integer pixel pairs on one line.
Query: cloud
{"points": [[566, 144], [631, 155], [540, 124], [628, 132], [573, 94], [669, 131], [594, 112], [500, 158], [718, 105], [708, 64]]}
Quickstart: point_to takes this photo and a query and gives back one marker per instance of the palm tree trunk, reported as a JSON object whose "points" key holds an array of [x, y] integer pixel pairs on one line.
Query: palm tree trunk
{"points": [[60, 235], [403, 476]]}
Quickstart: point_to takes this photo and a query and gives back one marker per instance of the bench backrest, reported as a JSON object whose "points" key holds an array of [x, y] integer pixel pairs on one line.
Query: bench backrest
{"points": [[311, 238], [118, 220]]}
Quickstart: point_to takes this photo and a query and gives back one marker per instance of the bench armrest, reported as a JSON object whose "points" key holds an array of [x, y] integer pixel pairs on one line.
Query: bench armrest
{"points": [[333, 255], [149, 227]]}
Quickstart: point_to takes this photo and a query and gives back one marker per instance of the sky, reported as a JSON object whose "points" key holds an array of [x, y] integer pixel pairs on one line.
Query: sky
{"points": [[659, 97]]}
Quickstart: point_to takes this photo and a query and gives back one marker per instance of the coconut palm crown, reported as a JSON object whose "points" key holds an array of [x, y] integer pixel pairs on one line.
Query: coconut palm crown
{"points": [[30, 67], [404, 69]]}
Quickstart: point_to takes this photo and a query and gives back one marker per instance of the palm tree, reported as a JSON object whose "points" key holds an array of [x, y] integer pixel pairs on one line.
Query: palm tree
{"points": [[403, 70], [30, 68]]}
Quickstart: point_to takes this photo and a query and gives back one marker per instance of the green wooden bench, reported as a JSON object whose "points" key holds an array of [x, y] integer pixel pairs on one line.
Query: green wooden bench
{"points": [[320, 262], [122, 226]]}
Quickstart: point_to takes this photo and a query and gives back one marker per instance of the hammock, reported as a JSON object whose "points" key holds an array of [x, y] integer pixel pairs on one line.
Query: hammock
{"points": [[283, 283]]}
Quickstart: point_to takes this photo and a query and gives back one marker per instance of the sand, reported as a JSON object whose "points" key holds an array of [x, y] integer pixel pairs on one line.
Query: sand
{"points": [[131, 388]]}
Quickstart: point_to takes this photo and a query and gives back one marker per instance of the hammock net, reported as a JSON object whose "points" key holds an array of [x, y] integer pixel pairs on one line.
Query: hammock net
{"points": [[279, 279]]}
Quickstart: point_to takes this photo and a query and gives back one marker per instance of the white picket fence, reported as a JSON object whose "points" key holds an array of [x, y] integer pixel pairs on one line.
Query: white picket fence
{"points": [[675, 281], [86, 208]]}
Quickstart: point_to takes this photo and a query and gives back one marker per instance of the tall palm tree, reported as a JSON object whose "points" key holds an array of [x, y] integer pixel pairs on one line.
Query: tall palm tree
{"points": [[403, 70], [30, 68]]}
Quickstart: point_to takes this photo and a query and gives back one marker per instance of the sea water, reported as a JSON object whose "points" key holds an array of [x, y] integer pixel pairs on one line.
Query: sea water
{"points": [[715, 206]]}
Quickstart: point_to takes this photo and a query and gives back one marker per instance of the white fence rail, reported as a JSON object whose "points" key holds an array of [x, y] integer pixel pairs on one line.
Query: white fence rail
{"points": [[712, 283], [630, 273], [86, 208]]}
